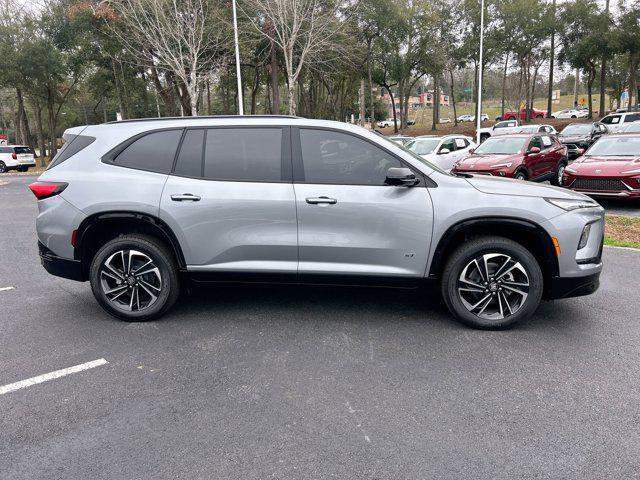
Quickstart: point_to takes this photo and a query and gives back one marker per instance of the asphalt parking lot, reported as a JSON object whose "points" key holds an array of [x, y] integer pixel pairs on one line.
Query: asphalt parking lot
{"points": [[298, 382]]}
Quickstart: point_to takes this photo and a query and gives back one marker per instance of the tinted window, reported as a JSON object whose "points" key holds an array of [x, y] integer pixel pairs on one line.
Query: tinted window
{"points": [[611, 119], [244, 154], [73, 144], [632, 117], [21, 150], [154, 152], [334, 157], [449, 145], [535, 142], [190, 157]]}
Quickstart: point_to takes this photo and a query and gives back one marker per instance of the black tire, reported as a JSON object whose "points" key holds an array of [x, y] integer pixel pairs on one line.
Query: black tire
{"points": [[521, 175], [23, 169], [483, 137], [557, 174], [168, 280], [457, 266], [573, 116], [3, 167]]}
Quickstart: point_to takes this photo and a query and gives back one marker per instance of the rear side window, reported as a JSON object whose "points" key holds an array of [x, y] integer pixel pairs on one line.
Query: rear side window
{"points": [[6, 150], [189, 161], [243, 154], [153, 152], [73, 144], [631, 117]]}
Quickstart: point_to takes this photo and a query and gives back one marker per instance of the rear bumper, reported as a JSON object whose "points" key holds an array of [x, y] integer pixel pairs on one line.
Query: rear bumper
{"points": [[60, 267], [567, 287]]}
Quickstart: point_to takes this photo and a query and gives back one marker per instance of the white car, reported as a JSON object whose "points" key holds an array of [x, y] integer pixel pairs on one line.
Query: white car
{"points": [[570, 113], [535, 128], [443, 151], [16, 157], [465, 118], [633, 127], [615, 121], [483, 118], [444, 120], [486, 132], [386, 123]]}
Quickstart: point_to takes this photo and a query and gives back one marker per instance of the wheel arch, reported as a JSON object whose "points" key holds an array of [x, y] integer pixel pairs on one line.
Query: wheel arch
{"points": [[97, 229], [527, 233]]}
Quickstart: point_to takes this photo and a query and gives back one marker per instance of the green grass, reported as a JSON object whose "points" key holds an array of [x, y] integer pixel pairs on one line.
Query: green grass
{"points": [[612, 242]]}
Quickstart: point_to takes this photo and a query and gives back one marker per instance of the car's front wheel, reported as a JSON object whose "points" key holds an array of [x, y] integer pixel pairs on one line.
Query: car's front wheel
{"points": [[134, 277], [492, 282], [558, 174], [3, 167]]}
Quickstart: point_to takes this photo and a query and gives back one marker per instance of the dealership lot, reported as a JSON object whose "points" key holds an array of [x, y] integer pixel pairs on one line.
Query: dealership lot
{"points": [[311, 382]]}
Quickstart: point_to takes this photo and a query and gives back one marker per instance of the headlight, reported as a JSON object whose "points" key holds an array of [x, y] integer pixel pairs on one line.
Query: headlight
{"points": [[505, 164], [570, 170], [571, 204]]}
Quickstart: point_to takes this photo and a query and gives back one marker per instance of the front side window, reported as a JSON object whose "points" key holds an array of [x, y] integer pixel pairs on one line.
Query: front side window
{"points": [[243, 154], [153, 152], [449, 145], [611, 119], [535, 142], [338, 158]]}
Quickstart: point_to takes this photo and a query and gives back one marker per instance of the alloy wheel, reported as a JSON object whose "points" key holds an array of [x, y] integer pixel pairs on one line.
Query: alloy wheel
{"points": [[130, 280], [3, 167], [493, 286], [560, 174]]}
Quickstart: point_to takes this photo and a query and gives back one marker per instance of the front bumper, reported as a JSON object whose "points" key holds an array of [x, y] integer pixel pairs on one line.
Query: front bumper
{"points": [[567, 287], [60, 267]]}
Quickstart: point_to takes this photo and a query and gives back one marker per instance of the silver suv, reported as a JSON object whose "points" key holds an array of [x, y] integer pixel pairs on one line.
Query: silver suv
{"points": [[138, 207]]}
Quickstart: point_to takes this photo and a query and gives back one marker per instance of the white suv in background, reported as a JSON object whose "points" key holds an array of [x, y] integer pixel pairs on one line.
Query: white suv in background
{"points": [[16, 157], [443, 151], [616, 121]]}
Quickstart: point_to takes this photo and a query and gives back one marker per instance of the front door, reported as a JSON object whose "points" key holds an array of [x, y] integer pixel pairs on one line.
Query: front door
{"points": [[349, 221], [230, 200]]}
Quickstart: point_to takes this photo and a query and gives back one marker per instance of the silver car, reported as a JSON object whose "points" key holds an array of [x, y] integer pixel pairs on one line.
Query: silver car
{"points": [[138, 207]]}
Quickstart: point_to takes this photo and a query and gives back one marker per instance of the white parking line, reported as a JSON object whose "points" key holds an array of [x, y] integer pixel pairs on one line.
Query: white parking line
{"points": [[12, 387], [4, 289]]}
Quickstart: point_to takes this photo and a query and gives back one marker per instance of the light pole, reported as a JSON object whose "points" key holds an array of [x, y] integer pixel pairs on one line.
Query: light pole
{"points": [[479, 112], [235, 35]]}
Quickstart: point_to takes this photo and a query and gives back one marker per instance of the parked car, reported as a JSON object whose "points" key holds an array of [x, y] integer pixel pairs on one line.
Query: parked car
{"points": [[16, 157], [615, 121], [532, 157], [483, 118], [535, 128], [486, 132], [523, 114], [579, 136], [444, 120], [443, 151], [633, 127], [138, 207], [610, 168], [465, 118], [401, 139], [571, 113], [387, 123]]}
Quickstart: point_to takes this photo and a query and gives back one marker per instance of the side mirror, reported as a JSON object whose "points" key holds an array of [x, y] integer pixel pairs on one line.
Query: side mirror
{"points": [[443, 151], [401, 177], [580, 151], [533, 150], [472, 150]]}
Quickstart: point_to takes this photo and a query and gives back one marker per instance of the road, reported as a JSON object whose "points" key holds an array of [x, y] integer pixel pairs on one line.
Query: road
{"points": [[311, 383]]}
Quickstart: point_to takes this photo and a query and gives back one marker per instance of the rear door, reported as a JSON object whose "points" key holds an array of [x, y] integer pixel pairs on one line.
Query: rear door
{"points": [[230, 200], [349, 221]]}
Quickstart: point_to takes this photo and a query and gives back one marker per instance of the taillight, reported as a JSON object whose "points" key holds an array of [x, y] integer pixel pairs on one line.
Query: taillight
{"points": [[14, 156], [44, 190]]}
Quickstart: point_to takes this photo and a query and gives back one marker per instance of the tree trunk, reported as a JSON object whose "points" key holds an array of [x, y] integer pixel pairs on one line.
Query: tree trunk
{"points": [[633, 86], [275, 90], [453, 99], [590, 79], [393, 108], [362, 103], [552, 55], [208, 85], [37, 111], [603, 70], [254, 91], [436, 103], [116, 82], [291, 95], [372, 106], [504, 84]]}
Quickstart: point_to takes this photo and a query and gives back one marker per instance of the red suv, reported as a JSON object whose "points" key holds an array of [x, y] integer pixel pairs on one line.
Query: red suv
{"points": [[523, 114], [610, 168], [535, 157]]}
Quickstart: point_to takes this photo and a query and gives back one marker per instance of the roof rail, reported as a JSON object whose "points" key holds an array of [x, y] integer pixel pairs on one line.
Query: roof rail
{"points": [[157, 119]]}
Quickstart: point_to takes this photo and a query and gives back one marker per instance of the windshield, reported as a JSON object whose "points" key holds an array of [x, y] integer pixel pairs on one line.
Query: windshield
{"points": [[501, 146], [577, 129], [423, 146], [615, 147]]}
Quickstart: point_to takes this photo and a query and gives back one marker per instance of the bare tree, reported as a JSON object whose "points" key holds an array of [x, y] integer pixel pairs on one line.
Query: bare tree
{"points": [[184, 37], [305, 30]]}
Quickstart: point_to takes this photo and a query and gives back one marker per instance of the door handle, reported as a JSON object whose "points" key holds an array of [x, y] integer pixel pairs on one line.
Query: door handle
{"points": [[321, 201], [185, 197]]}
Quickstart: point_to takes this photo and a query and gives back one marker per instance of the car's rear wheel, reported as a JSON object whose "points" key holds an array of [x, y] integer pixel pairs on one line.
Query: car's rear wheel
{"points": [[559, 173], [134, 277], [492, 282], [3, 167]]}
